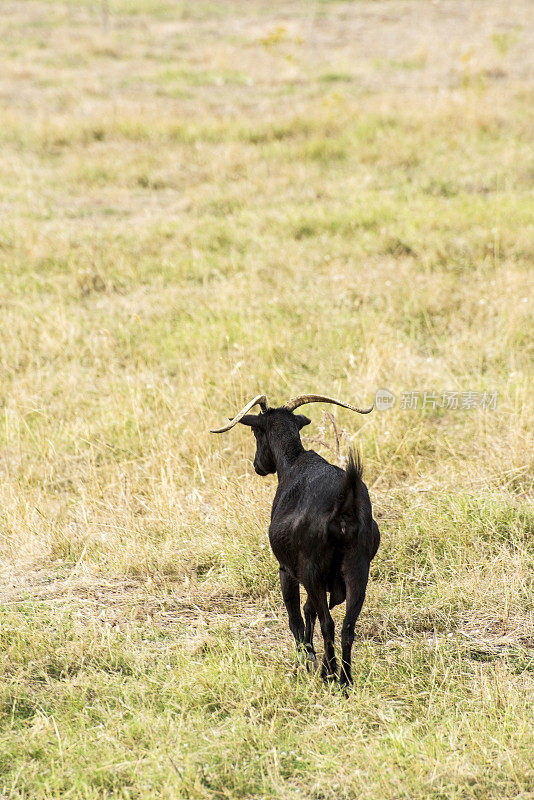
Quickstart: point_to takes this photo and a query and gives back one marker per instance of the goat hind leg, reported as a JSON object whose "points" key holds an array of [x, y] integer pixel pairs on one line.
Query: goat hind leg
{"points": [[356, 577], [320, 603], [310, 615]]}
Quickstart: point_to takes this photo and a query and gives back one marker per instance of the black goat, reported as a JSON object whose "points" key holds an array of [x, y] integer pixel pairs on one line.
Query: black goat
{"points": [[322, 530]]}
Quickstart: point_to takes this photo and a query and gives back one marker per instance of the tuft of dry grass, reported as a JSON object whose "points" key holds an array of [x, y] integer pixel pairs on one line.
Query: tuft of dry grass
{"points": [[204, 201]]}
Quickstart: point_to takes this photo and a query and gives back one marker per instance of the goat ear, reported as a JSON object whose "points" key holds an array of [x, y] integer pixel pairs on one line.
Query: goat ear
{"points": [[252, 420], [302, 420]]}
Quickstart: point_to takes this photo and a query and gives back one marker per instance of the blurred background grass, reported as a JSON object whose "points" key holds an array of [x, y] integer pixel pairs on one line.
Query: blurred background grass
{"points": [[203, 201]]}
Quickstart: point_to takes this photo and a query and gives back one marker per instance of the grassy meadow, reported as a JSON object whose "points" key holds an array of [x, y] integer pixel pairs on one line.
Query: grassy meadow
{"points": [[203, 201]]}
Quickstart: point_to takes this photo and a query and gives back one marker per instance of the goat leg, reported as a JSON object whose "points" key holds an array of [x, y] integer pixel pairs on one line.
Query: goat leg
{"points": [[356, 576], [310, 615], [291, 596], [318, 598]]}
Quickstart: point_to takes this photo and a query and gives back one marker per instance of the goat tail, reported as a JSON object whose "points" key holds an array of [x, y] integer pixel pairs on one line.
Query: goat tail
{"points": [[346, 513], [351, 483]]}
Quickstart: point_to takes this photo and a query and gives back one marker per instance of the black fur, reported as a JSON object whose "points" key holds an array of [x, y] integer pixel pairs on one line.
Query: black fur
{"points": [[322, 533]]}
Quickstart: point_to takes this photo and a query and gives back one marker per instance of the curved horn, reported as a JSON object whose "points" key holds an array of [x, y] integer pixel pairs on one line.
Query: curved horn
{"points": [[260, 400], [291, 405]]}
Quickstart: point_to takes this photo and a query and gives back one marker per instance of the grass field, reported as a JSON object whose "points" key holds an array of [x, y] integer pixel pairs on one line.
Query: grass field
{"points": [[202, 201]]}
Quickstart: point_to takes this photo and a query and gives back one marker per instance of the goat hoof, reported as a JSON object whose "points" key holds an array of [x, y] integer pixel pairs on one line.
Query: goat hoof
{"points": [[307, 659], [311, 662], [329, 677]]}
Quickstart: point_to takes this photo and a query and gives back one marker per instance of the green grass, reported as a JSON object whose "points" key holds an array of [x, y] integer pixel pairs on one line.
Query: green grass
{"points": [[125, 714], [201, 202]]}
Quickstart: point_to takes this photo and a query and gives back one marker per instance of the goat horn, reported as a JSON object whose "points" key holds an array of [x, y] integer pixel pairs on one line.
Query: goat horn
{"points": [[291, 405], [260, 400]]}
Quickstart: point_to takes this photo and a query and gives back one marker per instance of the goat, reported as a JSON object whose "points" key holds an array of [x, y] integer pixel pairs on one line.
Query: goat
{"points": [[322, 531]]}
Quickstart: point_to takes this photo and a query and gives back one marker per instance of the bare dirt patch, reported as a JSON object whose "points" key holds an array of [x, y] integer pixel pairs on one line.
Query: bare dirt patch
{"points": [[198, 617]]}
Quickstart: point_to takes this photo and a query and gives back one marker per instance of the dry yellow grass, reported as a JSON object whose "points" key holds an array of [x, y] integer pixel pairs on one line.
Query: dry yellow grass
{"points": [[201, 201]]}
